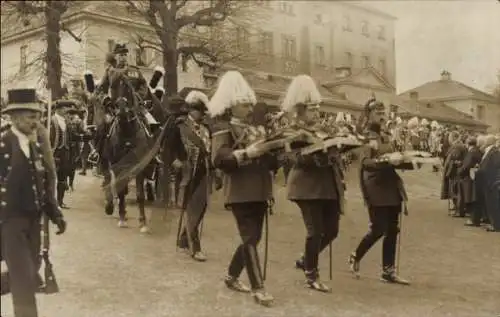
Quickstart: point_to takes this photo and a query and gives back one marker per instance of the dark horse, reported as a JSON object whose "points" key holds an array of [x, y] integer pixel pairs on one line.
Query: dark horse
{"points": [[122, 154]]}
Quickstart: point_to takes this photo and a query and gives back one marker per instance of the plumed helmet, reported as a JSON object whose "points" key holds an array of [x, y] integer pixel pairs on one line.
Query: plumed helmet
{"points": [[302, 90], [434, 124], [340, 117], [159, 92], [197, 100], [424, 122], [413, 123], [232, 89], [157, 75], [399, 120], [88, 77]]}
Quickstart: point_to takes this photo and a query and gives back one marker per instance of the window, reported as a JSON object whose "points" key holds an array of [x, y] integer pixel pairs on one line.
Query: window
{"points": [[319, 55], [382, 66], [480, 112], [365, 61], [111, 45], [348, 59], [140, 57], [286, 7], [266, 43], [381, 32], [289, 47], [242, 38], [318, 18], [346, 23], [23, 51], [364, 29]]}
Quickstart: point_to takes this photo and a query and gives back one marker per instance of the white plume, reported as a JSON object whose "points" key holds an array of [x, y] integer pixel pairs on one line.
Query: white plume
{"points": [[340, 117], [196, 96], [348, 118], [413, 123], [232, 89], [302, 89]]}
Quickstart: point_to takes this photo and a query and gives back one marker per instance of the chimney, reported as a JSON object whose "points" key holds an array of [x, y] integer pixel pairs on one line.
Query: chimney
{"points": [[342, 72], [414, 95], [445, 75]]}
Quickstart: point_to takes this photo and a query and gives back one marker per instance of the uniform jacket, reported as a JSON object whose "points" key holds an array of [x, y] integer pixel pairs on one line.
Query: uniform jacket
{"points": [[197, 143], [9, 147], [250, 181], [380, 183], [452, 163], [315, 177], [59, 138]]}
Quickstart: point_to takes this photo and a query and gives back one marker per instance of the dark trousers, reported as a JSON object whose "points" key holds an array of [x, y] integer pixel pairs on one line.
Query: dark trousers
{"points": [[475, 212], [190, 237], [20, 250], [249, 219], [321, 218], [384, 222], [63, 169]]}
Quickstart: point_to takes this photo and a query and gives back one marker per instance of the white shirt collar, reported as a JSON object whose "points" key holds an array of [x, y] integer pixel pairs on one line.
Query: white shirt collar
{"points": [[24, 140], [60, 119]]}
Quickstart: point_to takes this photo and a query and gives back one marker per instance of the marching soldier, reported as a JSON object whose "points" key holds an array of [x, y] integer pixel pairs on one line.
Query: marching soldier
{"points": [[315, 183], [247, 179], [27, 184], [195, 183], [60, 143], [384, 194]]}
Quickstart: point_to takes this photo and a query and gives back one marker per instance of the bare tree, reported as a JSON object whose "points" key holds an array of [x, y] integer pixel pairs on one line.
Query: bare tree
{"points": [[177, 26], [49, 15]]}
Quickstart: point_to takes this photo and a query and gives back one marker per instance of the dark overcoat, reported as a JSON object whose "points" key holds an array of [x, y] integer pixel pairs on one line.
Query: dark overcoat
{"points": [[451, 179], [467, 188]]}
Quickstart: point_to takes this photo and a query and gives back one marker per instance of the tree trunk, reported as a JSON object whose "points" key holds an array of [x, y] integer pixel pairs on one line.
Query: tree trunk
{"points": [[170, 65], [53, 63]]}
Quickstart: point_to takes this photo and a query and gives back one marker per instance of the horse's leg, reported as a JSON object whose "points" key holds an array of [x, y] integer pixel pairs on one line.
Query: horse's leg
{"points": [[122, 212], [109, 206], [139, 184]]}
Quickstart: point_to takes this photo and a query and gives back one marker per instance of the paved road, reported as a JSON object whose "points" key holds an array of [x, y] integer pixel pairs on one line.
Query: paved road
{"points": [[105, 271]]}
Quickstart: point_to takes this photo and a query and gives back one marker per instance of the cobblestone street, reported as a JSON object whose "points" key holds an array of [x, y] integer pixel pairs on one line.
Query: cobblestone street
{"points": [[105, 271]]}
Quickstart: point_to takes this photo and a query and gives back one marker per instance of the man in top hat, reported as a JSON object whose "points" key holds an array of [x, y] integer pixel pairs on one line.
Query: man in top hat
{"points": [[195, 181], [60, 143], [467, 193], [27, 184]]}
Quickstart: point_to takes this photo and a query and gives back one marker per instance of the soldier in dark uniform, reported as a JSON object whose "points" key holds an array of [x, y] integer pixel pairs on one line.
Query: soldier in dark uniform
{"points": [[195, 183], [27, 184], [60, 143], [467, 189], [384, 194], [314, 183], [248, 184], [76, 133]]}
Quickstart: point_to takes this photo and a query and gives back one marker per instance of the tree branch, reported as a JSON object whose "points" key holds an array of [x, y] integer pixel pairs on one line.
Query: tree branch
{"points": [[71, 33], [206, 17]]}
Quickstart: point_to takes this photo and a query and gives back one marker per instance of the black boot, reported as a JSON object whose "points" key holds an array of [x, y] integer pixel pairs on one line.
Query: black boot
{"points": [[389, 276]]}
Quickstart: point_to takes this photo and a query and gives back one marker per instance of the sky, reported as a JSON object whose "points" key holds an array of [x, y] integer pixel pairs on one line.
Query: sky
{"points": [[462, 37]]}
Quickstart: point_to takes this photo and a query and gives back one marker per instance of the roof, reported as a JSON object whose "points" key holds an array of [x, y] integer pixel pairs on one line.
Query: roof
{"points": [[447, 89], [354, 78], [271, 89], [438, 111]]}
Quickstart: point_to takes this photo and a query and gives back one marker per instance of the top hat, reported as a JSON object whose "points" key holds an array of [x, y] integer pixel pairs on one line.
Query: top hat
{"points": [[22, 99], [176, 104], [120, 49], [60, 104]]}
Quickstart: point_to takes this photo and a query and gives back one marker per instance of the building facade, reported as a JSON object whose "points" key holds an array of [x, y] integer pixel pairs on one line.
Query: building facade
{"points": [[469, 101]]}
